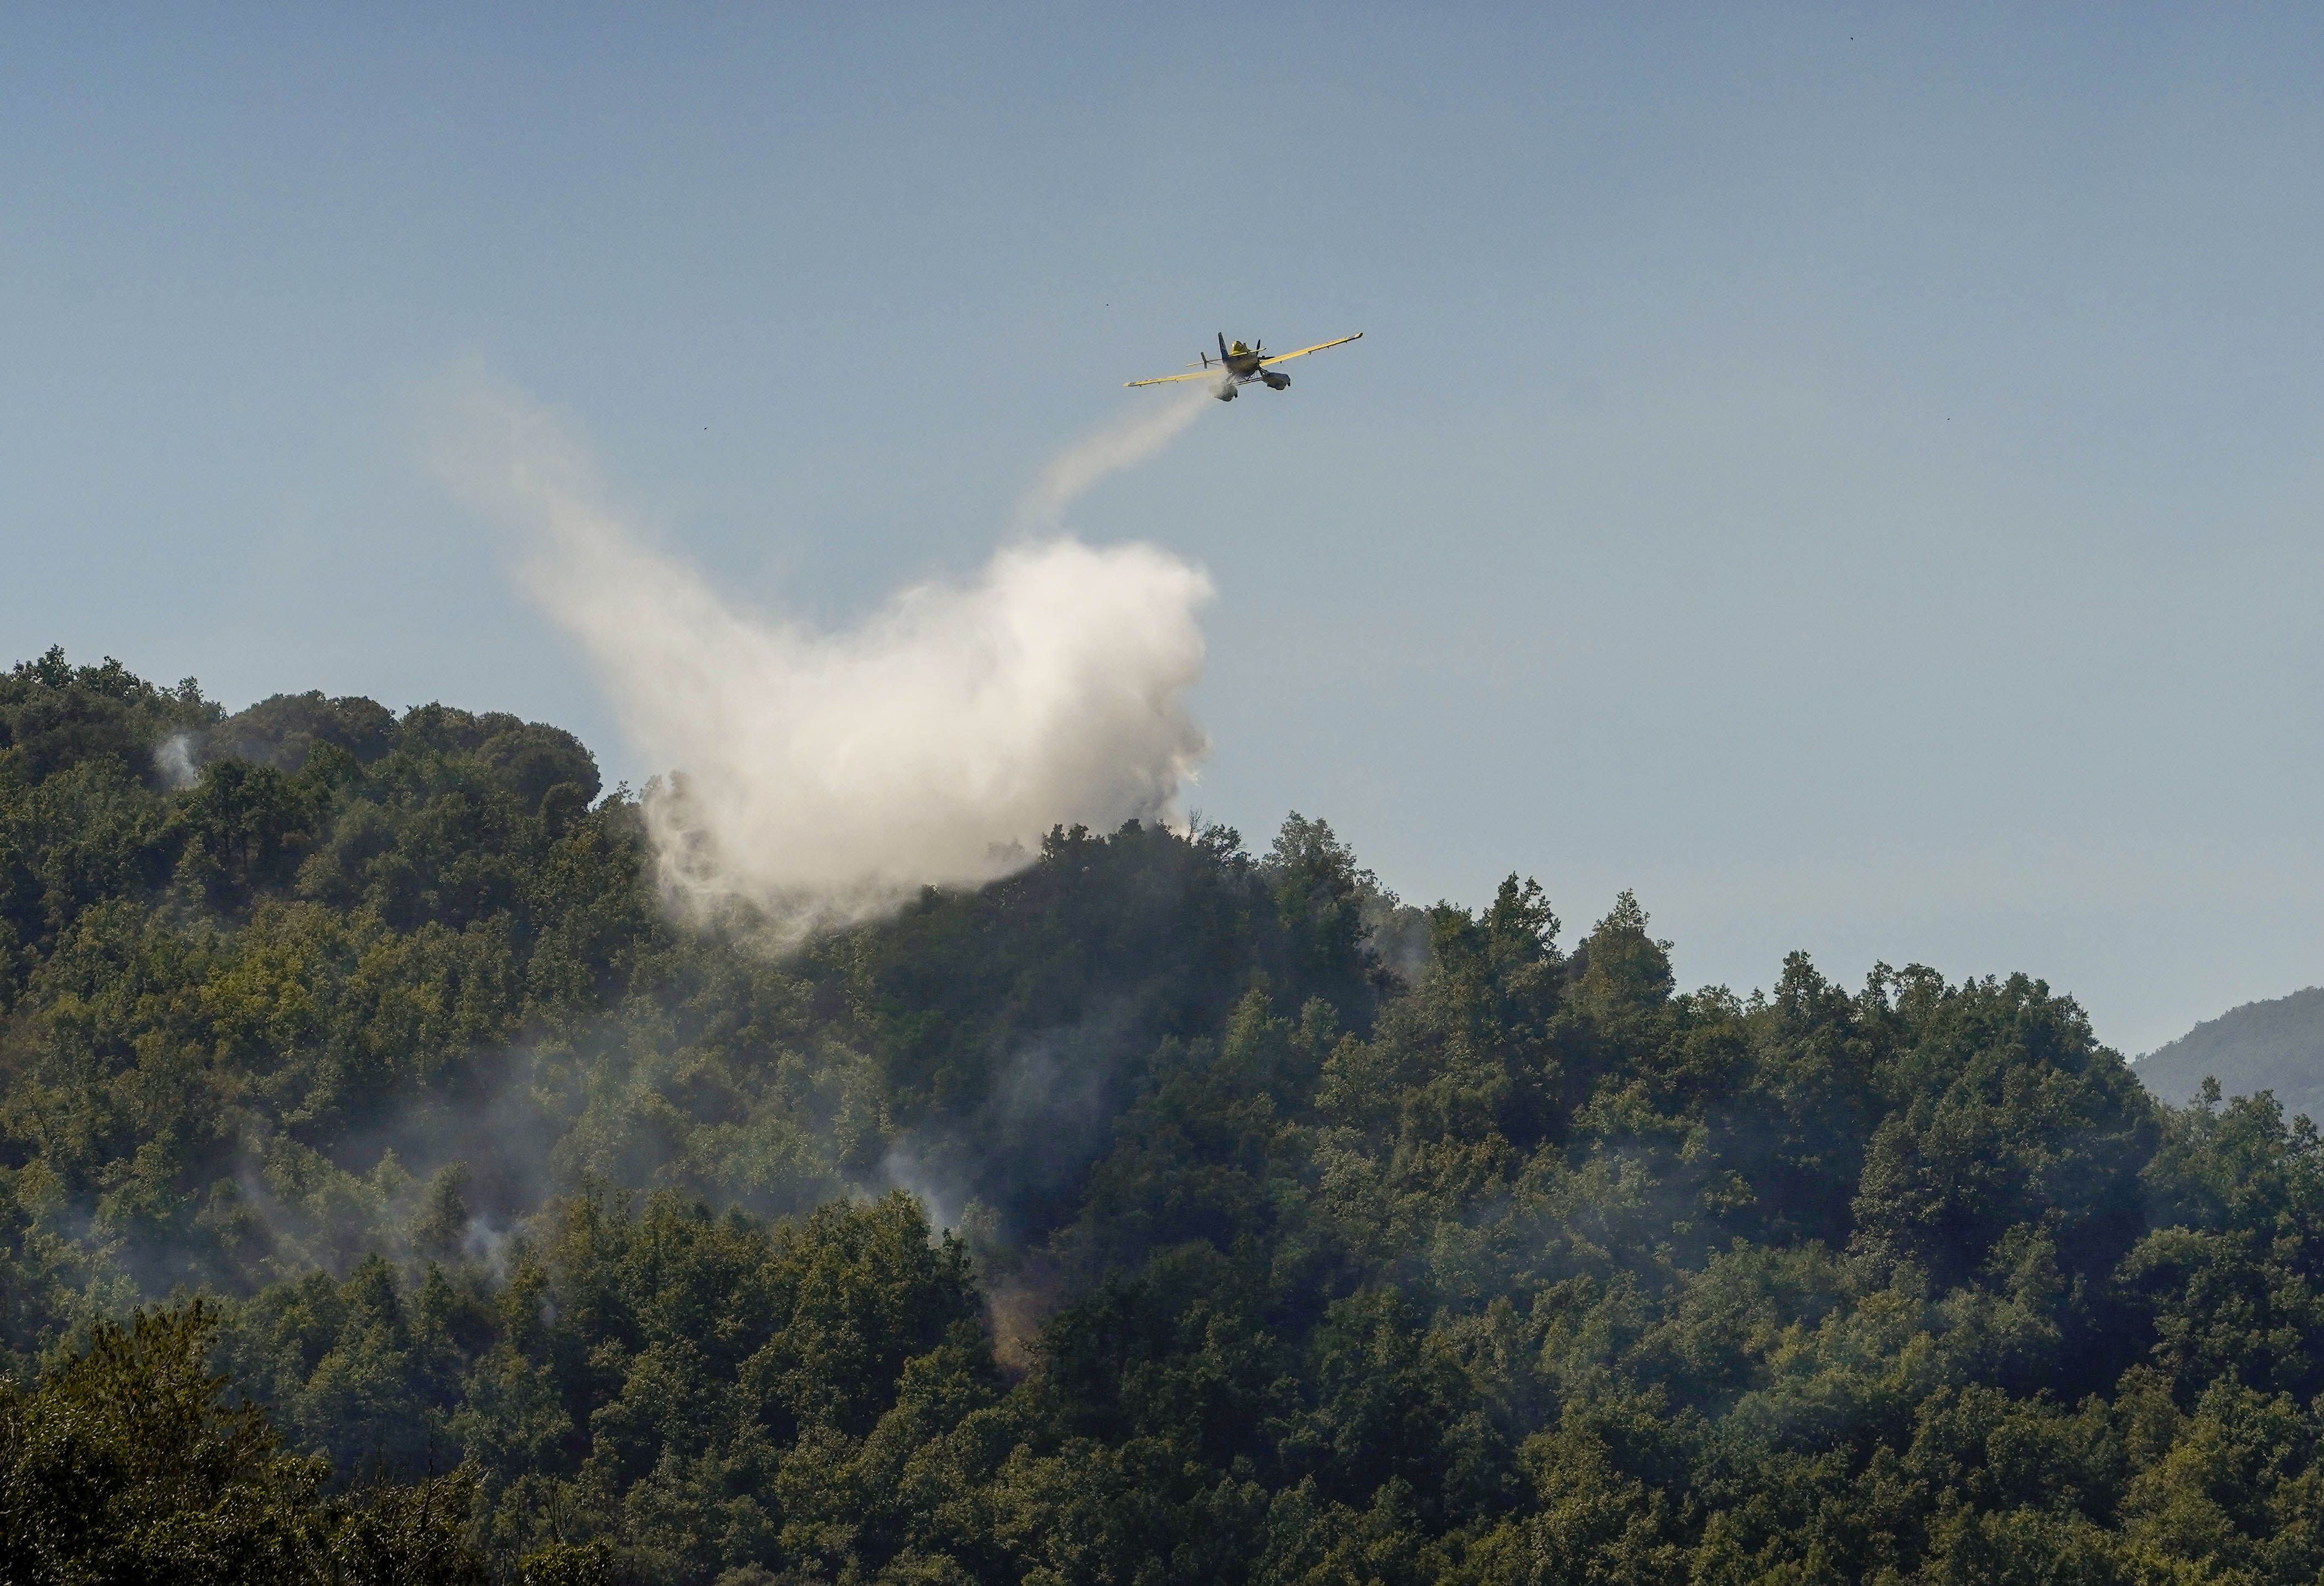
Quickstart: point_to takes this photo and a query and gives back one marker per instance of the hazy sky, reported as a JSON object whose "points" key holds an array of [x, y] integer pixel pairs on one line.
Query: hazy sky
{"points": [[1851, 475]]}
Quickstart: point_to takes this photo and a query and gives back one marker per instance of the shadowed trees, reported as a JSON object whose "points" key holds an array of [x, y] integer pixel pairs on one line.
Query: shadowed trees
{"points": [[1259, 1229]]}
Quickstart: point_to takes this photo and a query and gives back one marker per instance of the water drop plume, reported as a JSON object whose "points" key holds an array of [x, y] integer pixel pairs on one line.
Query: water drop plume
{"points": [[1139, 434], [823, 777]]}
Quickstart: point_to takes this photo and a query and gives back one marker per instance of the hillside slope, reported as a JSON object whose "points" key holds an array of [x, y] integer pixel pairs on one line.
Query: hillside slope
{"points": [[2274, 1045], [1125, 1220]]}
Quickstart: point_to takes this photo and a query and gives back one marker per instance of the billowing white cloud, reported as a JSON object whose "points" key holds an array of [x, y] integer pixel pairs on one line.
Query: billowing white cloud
{"points": [[822, 776]]}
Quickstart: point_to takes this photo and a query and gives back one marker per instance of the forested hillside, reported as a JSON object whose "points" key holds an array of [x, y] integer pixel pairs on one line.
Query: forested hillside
{"points": [[587, 1245], [2274, 1045]]}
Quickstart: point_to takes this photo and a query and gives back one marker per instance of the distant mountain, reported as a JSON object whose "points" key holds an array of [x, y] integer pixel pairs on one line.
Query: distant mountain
{"points": [[2276, 1045]]}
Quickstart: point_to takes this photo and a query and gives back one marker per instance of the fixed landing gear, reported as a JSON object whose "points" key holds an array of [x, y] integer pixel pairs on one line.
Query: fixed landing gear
{"points": [[1224, 389], [1276, 382]]}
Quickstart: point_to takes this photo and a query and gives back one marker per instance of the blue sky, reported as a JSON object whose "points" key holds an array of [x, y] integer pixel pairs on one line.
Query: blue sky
{"points": [[1850, 474]]}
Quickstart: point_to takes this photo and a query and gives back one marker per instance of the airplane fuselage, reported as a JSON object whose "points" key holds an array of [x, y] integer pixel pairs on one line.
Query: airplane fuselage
{"points": [[1238, 366]]}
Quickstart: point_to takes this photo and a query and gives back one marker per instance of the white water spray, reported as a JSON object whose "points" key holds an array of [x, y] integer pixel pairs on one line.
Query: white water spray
{"points": [[1142, 433], [824, 777]]}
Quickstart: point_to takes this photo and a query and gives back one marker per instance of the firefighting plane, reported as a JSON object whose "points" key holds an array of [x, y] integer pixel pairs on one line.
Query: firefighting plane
{"points": [[1238, 366]]}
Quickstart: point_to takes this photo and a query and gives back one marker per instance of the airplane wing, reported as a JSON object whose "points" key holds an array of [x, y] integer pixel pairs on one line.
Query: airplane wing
{"points": [[1319, 346], [1210, 373]]}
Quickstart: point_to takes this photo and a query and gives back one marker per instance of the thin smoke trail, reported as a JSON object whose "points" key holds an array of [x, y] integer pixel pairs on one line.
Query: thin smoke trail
{"points": [[1138, 436]]}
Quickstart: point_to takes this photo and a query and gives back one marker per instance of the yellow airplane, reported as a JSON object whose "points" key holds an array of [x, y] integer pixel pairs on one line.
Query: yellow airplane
{"points": [[1238, 366]]}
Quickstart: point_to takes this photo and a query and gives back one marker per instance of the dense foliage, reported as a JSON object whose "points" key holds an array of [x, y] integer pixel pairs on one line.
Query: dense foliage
{"points": [[1293, 1236], [128, 1464]]}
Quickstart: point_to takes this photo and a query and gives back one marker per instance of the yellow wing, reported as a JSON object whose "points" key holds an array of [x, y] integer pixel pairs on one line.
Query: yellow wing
{"points": [[1210, 374], [1319, 346]]}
